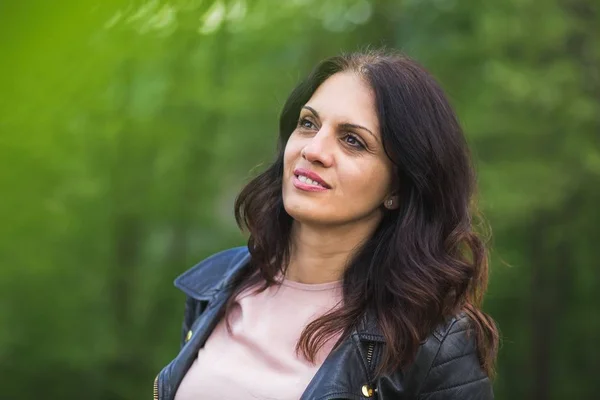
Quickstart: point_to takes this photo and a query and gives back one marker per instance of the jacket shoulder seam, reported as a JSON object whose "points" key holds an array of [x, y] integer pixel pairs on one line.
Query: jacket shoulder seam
{"points": [[456, 332], [453, 359]]}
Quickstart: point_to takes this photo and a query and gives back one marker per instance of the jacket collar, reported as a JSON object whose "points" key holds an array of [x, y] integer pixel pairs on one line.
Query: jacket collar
{"points": [[209, 277], [216, 274]]}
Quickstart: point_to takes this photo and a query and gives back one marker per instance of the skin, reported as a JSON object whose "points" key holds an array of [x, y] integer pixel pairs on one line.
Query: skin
{"points": [[328, 225]]}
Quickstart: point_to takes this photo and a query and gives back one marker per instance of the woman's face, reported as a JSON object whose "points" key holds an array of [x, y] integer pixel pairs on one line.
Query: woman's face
{"points": [[335, 168]]}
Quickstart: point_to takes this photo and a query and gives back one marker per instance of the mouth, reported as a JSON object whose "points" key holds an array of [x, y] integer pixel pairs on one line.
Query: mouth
{"points": [[309, 180]]}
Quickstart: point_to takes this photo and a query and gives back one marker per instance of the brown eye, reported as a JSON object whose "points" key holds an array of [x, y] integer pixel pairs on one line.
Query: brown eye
{"points": [[351, 140]]}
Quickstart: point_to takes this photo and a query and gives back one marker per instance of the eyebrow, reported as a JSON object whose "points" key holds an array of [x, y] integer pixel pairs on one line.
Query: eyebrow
{"points": [[345, 125]]}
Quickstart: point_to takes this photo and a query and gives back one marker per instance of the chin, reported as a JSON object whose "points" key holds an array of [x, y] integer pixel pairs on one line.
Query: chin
{"points": [[301, 211]]}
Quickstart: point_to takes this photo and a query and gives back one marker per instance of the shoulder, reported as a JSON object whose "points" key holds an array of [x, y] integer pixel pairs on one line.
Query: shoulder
{"points": [[456, 333], [450, 363], [204, 279]]}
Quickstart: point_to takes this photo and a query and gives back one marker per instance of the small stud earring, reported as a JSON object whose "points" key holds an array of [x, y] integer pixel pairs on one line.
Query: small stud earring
{"points": [[389, 203]]}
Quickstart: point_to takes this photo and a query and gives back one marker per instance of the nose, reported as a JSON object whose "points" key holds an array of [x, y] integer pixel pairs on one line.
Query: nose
{"points": [[319, 148]]}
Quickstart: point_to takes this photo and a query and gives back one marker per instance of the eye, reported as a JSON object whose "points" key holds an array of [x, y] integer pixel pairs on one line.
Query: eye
{"points": [[305, 123], [353, 141]]}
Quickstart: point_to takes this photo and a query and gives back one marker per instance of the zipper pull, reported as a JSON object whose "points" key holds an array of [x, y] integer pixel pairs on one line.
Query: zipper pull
{"points": [[367, 391]]}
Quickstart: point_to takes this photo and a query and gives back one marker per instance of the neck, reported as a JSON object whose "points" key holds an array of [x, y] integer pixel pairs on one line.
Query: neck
{"points": [[321, 254]]}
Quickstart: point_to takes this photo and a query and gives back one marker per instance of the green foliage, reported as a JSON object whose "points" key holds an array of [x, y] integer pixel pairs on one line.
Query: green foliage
{"points": [[127, 128]]}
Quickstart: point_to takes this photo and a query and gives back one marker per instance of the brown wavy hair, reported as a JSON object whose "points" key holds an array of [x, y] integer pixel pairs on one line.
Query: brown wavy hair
{"points": [[425, 262]]}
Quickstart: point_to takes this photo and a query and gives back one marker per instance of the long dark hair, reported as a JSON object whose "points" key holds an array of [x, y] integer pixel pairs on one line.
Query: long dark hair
{"points": [[425, 262]]}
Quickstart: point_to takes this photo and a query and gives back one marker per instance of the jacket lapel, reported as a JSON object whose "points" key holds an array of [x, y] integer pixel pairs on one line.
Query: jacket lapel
{"points": [[211, 276], [210, 282]]}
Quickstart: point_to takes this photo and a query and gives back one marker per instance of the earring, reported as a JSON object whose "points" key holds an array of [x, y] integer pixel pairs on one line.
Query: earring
{"points": [[389, 203]]}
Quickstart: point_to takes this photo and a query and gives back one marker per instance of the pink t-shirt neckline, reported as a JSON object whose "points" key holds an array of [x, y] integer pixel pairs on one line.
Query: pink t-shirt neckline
{"points": [[310, 286]]}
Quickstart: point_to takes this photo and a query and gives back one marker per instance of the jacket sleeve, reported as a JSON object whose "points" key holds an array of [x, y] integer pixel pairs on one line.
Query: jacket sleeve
{"points": [[456, 372]]}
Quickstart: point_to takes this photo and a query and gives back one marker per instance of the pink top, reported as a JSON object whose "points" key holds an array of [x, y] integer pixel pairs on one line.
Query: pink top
{"points": [[258, 360]]}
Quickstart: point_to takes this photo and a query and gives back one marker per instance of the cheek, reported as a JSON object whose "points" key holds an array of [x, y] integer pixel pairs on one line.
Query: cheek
{"points": [[369, 182], [291, 152]]}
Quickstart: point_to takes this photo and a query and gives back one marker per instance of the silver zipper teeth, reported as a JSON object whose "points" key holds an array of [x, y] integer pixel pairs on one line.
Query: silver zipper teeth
{"points": [[370, 353], [156, 388]]}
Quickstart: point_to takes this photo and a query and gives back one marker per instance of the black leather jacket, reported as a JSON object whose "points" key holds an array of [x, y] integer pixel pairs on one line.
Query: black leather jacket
{"points": [[446, 366]]}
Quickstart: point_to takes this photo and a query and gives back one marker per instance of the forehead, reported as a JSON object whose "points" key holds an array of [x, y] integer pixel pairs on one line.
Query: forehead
{"points": [[346, 97]]}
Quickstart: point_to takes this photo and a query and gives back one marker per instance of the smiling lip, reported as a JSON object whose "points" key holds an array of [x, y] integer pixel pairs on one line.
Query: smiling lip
{"points": [[311, 175]]}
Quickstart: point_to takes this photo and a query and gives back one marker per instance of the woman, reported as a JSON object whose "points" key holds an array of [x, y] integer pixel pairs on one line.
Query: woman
{"points": [[362, 277]]}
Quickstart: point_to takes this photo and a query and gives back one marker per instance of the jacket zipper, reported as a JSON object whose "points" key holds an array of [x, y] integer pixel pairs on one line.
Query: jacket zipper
{"points": [[156, 388], [370, 353], [368, 390]]}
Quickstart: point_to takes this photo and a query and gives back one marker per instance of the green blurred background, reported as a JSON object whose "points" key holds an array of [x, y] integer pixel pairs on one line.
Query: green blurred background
{"points": [[128, 127]]}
